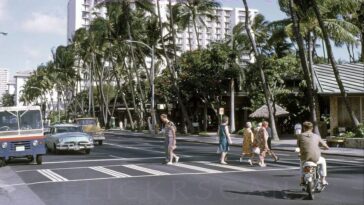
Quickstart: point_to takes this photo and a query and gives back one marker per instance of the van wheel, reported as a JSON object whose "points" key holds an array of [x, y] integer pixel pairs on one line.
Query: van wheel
{"points": [[30, 158], [100, 142], [87, 151], [39, 159]]}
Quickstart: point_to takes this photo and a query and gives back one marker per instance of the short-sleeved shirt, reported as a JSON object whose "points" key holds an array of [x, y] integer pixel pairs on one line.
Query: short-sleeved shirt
{"points": [[309, 144]]}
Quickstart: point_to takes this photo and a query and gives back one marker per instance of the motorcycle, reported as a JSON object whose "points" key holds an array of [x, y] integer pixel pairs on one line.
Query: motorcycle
{"points": [[312, 182]]}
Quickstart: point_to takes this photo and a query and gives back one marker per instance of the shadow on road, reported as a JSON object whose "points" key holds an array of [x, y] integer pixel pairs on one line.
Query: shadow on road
{"points": [[284, 194]]}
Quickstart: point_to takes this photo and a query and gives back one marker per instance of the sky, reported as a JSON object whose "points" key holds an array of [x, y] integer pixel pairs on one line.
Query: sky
{"points": [[35, 27]]}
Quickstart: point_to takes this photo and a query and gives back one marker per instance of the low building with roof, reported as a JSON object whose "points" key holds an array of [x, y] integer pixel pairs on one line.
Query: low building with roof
{"points": [[331, 101]]}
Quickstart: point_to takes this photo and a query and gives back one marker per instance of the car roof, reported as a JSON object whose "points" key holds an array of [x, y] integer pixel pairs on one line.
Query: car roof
{"points": [[65, 125], [86, 118]]}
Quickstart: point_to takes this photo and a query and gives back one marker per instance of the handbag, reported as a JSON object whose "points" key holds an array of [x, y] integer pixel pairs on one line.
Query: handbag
{"points": [[256, 150]]}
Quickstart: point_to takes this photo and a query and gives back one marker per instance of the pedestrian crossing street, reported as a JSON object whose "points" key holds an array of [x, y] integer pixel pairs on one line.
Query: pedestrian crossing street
{"points": [[122, 171]]}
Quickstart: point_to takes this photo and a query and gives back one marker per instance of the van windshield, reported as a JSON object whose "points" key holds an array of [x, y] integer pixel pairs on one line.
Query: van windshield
{"points": [[20, 122]]}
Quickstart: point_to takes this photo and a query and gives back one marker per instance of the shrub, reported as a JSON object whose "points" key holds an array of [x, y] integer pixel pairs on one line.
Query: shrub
{"points": [[359, 131]]}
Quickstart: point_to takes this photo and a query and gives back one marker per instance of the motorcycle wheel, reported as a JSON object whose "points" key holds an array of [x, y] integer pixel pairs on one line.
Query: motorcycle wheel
{"points": [[309, 190]]}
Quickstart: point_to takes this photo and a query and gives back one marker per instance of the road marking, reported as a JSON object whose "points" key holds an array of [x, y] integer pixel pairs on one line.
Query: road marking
{"points": [[146, 170], [141, 176], [135, 148], [344, 161], [110, 172], [201, 169], [143, 149], [102, 160], [54, 177], [226, 166]]}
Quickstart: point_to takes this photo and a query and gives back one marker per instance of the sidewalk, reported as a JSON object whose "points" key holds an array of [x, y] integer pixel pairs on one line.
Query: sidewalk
{"points": [[282, 145]]}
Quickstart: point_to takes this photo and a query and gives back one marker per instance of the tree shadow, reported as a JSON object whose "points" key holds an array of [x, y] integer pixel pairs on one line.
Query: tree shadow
{"points": [[283, 194]]}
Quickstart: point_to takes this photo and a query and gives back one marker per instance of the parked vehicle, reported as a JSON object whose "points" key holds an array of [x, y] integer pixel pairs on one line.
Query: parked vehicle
{"points": [[21, 134], [68, 137], [91, 126]]}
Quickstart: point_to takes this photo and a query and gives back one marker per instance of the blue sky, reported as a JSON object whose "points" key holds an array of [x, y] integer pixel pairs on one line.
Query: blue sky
{"points": [[35, 27]]}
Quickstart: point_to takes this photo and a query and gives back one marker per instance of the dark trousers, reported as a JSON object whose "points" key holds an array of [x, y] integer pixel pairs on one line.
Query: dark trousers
{"points": [[269, 143]]}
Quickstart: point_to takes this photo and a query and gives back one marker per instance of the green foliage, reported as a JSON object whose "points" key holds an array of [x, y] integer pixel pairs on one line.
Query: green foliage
{"points": [[359, 131], [8, 100]]}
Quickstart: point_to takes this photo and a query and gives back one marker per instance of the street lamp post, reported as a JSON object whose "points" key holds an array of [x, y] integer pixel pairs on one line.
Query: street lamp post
{"points": [[154, 120]]}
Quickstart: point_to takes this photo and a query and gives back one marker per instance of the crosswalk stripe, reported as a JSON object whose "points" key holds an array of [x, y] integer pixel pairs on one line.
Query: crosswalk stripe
{"points": [[109, 172], [147, 170], [201, 169], [226, 166], [52, 175]]}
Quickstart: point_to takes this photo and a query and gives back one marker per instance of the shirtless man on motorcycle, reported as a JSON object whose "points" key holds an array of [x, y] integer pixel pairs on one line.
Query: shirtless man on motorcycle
{"points": [[309, 144]]}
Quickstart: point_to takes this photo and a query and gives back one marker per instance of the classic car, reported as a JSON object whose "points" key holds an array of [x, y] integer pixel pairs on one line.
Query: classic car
{"points": [[92, 127], [67, 137]]}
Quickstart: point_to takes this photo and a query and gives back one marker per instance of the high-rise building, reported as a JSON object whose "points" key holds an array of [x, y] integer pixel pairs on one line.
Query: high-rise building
{"points": [[4, 77], [81, 12]]}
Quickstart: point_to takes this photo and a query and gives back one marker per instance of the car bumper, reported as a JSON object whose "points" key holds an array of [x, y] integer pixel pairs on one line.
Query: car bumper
{"points": [[74, 147], [98, 137]]}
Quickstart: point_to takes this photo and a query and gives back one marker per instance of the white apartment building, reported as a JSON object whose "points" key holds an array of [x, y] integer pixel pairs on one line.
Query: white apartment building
{"points": [[81, 12], [11, 86], [4, 77]]}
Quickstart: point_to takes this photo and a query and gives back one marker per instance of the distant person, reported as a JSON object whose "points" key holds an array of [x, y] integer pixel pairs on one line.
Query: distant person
{"points": [[309, 144], [248, 139], [170, 131], [224, 139], [262, 143], [297, 129], [257, 128], [269, 142]]}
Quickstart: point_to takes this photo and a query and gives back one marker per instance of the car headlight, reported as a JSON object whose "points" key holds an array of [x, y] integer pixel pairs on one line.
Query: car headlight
{"points": [[4, 145], [35, 143]]}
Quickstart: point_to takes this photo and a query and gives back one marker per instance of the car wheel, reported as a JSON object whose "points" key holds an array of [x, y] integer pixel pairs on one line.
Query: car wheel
{"points": [[39, 159], [87, 151], [100, 142], [48, 149], [55, 149]]}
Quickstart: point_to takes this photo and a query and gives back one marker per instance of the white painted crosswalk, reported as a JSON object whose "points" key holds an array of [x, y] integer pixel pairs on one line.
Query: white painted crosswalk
{"points": [[146, 170], [138, 170], [52, 175], [197, 168], [110, 172]]}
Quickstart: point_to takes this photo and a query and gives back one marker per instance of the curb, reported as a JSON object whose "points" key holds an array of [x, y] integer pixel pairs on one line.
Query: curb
{"points": [[143, 135]]}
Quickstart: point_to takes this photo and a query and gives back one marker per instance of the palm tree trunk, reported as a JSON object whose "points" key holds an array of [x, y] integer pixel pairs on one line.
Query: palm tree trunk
{"points": [[171, 24], [257, 55], [197, 34], [306, 69], [142, 99], [232, 105], [172, 73], [362, 47], [333, 64]]}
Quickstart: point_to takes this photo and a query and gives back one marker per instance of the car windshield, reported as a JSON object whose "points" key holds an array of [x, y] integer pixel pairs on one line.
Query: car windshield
{"points": [[86, 121], [68, 129]]}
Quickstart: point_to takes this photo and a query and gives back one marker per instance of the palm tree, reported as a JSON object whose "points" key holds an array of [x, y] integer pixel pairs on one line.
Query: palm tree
{"points": [[333, 63], [306, 70], [258, 56], [172, 73], [194, 11]]}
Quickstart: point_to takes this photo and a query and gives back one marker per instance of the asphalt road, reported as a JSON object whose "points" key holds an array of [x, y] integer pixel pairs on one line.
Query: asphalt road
{"points": [[130, 170]]}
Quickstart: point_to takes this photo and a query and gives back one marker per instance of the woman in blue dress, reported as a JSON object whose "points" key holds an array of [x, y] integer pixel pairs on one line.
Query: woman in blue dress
{"points": [[224, 139]]}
